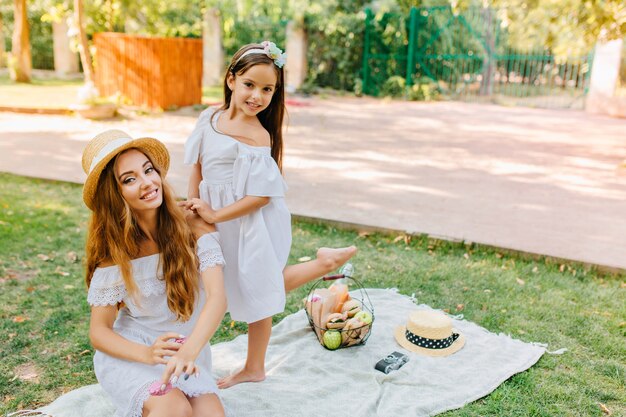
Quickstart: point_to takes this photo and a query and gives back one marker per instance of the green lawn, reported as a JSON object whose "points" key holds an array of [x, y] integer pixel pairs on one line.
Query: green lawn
{"points": [[61, 94], [45, 349]]}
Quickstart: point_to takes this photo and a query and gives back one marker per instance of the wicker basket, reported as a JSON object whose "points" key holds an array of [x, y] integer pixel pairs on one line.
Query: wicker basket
{"points": [[356, 334]]}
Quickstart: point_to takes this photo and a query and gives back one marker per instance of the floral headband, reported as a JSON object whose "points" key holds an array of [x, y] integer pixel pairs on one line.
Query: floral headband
{"points": [[271, 50]]}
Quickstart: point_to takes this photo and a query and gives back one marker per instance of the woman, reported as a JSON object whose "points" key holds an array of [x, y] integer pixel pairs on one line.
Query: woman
{"points": [[143, 270]]}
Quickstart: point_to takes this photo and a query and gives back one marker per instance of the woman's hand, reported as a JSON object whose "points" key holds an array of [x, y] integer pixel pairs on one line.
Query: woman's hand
{"points": [[164, 346], [178, 365], [202, 208]]}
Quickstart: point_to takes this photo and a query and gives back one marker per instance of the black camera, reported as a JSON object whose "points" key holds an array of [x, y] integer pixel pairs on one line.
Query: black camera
{"points": [[392, 362]]}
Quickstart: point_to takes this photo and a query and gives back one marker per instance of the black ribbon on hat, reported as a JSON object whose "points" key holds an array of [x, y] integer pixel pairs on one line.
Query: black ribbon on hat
{"points": [[426, 343]]}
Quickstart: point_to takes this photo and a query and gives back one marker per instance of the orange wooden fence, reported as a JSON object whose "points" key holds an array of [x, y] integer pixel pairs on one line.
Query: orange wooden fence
{"points": [[152, 72]]}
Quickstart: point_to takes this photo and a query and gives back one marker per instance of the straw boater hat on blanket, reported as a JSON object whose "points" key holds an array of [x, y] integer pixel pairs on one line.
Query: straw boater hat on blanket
{"points": [[429, 332], [105, 146]]}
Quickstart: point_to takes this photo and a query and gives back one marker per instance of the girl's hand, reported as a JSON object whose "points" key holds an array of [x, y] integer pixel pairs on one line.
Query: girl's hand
{"points": [[202, 208], [163, 346]]}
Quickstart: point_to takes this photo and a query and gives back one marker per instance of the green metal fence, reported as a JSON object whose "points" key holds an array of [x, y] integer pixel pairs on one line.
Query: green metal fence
{"points": [[466, 55]]}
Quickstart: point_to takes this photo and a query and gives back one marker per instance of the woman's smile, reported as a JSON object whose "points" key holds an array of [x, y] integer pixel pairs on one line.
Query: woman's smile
{"points": [[151, 195]]}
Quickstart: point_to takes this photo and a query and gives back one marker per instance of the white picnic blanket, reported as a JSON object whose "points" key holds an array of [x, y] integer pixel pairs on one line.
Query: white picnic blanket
{"points": [[306, 380]]}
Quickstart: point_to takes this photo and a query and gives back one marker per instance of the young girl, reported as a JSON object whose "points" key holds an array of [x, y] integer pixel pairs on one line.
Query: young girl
{"points": [[236, 152], [143, 266]]}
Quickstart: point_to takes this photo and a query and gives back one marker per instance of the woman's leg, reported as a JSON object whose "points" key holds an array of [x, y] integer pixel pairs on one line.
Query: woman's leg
{"points": [[207, 405], [254, 370], [328, 259], [172, 404]]}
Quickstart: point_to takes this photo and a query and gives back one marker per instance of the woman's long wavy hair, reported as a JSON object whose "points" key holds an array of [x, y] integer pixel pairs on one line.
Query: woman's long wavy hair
{"points": [[114, 237], [272, 117]]}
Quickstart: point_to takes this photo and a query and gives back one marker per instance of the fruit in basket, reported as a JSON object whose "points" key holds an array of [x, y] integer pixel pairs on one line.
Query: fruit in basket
{"points": [[351, 307], [332, 339], [335, 321], [364, 316]]}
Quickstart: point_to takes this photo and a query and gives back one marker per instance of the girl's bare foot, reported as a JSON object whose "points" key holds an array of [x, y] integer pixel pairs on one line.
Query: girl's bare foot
{"points": [[333, 258], [243, 375]]}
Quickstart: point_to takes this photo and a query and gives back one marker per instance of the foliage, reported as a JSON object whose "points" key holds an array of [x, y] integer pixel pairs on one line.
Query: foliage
{"points": [[467, 50], [565, 27], [573, 27], [335, 47], [178, 18], [40, 33], [44, 318], [171, 18], [334, 29], [241, 32], [424, 89], [393, 87]]}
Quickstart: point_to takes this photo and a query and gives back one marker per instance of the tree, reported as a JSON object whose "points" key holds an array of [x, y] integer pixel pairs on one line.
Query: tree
{"points": [[569, 27], [20, 66], [565, 27], [2, 51], [83, 44]]}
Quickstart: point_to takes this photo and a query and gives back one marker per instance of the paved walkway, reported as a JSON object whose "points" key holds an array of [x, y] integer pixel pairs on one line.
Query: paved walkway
{"points": [[541, 181]]}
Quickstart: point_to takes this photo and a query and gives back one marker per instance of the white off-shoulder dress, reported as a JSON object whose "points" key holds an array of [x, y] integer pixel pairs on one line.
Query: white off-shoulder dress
{"points": [[127, 382], [255, 246]]}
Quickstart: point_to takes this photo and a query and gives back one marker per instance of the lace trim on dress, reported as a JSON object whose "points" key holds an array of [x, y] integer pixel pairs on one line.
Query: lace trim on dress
{"points": [[106, 296], [136, 403], [115, 294], [197, 392], [210, 258]]}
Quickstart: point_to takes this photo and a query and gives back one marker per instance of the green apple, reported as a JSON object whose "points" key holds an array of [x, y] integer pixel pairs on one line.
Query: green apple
{"points": [[364, 316], [332, 339]]}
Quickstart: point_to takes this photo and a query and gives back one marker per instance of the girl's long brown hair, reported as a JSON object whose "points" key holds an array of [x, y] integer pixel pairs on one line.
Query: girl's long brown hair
{"points": [[272, 117], [115, 237]]}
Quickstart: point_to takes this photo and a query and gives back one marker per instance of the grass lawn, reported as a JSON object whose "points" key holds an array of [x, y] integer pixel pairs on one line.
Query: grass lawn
{"points": [[45, 349], [55, 93]]}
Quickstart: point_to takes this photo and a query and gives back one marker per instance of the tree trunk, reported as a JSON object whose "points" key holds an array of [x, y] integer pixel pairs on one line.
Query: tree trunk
{"points": [[110, 20], [83, 44], [2, 50], [21, 66]]}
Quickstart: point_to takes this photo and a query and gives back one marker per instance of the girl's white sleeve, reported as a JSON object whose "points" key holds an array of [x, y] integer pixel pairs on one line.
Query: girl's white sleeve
{"points": [[258, 175], [194, 141], [106, 287], [210, 251]]}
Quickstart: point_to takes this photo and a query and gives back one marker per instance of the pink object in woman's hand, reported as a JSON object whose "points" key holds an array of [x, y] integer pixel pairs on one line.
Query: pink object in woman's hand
{"points": [[180, 340], [156, 388]]}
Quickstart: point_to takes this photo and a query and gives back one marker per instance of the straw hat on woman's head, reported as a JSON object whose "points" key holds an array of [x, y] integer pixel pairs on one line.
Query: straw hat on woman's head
{"points": [[105, 146], [429, 332]]}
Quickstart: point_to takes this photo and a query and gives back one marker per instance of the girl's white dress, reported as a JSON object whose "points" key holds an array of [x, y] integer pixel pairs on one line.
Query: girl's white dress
{"points": [[255, 246], [127, 382]]}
